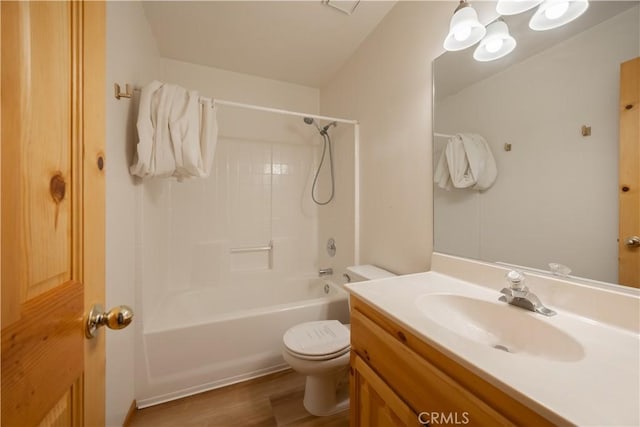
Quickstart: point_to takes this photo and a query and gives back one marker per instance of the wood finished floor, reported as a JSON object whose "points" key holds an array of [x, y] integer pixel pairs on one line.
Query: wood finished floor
{"points": [[271, 401]]}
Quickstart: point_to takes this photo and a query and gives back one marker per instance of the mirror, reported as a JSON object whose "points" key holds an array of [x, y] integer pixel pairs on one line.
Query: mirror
{"points": [[555, 198]]}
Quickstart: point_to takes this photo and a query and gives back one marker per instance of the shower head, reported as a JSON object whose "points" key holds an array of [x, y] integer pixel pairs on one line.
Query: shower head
{"points": [[323, 131], [312, 121], [326, 128]]}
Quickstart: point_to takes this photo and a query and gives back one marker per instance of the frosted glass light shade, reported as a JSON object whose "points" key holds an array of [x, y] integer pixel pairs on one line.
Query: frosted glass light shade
{"points": [[513, 7], [496, 44], [556, 13], [464, 30]]}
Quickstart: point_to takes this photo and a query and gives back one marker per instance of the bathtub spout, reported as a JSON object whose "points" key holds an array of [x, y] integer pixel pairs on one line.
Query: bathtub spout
{"points": [[325, 272]]}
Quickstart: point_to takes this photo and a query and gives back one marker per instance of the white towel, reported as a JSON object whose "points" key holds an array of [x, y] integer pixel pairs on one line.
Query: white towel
{"points": [[466, 162], [143, 163], [177, 135]]}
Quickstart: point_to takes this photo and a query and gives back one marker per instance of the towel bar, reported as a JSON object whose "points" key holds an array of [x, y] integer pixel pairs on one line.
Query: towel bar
{"points": [[252, 249]]}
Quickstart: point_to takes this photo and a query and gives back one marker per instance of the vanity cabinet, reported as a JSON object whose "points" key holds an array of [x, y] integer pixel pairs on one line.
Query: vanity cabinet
{"points": [[397, 379], [376, 404]]}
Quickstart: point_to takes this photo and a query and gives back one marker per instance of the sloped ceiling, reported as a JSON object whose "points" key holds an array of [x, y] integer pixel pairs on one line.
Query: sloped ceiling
{"points": [[303, 42]]}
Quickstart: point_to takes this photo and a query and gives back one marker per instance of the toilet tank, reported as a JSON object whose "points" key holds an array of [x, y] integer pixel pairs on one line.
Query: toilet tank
{"points": [[360, 273]]}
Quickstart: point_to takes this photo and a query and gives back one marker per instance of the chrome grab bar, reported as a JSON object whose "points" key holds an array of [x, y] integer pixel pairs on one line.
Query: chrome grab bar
{"points": [[252, 249]]}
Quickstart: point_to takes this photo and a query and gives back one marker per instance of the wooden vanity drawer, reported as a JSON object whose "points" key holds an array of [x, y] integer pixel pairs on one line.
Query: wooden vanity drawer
{"points": [[421, 385]]}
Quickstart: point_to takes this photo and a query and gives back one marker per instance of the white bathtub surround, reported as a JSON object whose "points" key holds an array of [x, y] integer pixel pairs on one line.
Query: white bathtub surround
{"points": [[214, 313], [579, 366], [205, 339], [242, 262]]}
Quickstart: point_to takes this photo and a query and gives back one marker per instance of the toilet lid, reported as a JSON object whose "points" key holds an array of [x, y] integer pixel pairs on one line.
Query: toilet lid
{"points": [[320, 338]]}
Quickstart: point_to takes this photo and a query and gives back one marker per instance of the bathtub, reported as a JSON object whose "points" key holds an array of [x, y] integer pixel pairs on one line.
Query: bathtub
{"points": [[204, 339]]}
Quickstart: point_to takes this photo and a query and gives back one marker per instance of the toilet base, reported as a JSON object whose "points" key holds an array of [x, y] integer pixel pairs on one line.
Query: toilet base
{"points": [[327, 394]]}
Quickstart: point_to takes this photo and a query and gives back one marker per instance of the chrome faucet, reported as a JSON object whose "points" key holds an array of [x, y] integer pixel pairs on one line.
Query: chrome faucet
{"points": [[518, 294], [325, 272]]}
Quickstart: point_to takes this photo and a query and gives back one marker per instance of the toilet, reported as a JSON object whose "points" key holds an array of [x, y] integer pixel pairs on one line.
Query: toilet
{"points": [[320, 350]]}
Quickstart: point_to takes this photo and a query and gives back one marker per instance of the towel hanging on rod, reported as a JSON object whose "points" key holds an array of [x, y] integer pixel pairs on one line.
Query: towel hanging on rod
{"points": [[466, 162], [176, 136]]}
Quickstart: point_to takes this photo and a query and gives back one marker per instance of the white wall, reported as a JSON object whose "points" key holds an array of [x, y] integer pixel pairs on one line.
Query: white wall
{"points": [[132, 57], [386, 85], [555, 198]]}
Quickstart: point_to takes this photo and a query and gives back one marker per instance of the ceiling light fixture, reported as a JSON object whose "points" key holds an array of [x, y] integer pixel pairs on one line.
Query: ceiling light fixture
{"points": [[556, 13], [464, 29], [496, 44], [513, 7]]}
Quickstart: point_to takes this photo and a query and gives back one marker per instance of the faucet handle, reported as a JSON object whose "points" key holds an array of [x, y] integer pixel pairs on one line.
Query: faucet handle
{"points": [[506, 291], [516, 280], [510, 293]]}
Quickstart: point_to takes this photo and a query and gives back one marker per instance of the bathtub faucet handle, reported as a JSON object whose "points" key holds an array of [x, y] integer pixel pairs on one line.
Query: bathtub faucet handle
{"points": [[325, 272]]}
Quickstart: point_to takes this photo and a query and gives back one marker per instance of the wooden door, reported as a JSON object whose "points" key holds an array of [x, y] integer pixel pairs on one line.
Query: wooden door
{"points": [[52, 211], [629, 170], [373, 402]]}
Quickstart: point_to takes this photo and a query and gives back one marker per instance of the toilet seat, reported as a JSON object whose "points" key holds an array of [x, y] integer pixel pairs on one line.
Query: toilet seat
{"points": [[321, 340], [320, 357]]}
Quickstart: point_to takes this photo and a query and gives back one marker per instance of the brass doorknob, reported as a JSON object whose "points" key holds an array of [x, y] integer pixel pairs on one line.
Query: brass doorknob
{"points": [[632, 242], [116, 318]]}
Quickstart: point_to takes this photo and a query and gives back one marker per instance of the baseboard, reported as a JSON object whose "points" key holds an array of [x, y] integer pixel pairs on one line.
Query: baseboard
{"points": [[156, 400], [130, 412]]}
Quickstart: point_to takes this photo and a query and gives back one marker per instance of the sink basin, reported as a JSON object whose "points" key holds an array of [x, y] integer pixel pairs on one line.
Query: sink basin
{"points": [[500, 326]]}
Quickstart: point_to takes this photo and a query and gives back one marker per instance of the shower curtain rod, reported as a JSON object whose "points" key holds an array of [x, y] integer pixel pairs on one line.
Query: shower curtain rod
{"points": [[277, 110], [127, 94]]}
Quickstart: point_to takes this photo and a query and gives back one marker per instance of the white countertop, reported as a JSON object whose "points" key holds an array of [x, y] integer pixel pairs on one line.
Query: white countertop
{"points": [[599, 387]]}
